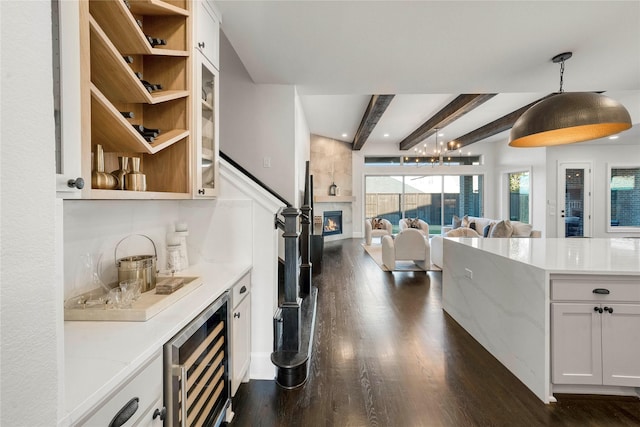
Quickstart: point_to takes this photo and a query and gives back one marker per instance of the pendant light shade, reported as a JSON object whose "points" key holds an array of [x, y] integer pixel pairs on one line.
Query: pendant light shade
{"points": [[565, 118]]}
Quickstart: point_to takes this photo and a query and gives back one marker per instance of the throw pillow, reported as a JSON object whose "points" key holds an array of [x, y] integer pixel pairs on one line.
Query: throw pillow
{"points": [[456, 222], [465, 221], [377, 224], [502, 229], [462, 232], [486, 231], [414, 223], [520, 229], [472, 225]]}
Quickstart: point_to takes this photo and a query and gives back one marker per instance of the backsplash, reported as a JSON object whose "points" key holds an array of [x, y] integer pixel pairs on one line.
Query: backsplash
{"points": [[219, 231]]}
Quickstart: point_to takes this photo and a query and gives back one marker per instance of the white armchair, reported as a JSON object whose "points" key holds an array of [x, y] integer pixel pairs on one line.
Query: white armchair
{"points": [[408, 245], [371, 232], [423, 226]]}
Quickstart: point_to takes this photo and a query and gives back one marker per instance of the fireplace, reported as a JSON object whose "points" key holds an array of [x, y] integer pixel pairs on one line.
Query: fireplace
{"points": [[332, 223]]}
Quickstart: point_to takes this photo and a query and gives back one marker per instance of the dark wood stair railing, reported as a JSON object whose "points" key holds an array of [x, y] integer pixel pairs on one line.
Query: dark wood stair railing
{"points": [[294, 320]]}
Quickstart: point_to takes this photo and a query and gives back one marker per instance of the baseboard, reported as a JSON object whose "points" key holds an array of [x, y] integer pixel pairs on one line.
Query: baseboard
{"points": [[261, 367]]}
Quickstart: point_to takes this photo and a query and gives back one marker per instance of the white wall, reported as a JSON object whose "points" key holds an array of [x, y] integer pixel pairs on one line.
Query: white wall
{"points": [[303, 144], [258, 121], [600, 153], [264, 275], [29, 361]]}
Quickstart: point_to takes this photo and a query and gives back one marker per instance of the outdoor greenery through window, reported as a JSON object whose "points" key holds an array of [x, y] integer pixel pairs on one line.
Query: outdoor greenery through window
{"points": [[432, 198], [519, 196], [624, 197]]}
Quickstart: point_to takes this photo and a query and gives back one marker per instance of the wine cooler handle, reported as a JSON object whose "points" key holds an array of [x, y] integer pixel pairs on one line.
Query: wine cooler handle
{"points": [[183, 390]]}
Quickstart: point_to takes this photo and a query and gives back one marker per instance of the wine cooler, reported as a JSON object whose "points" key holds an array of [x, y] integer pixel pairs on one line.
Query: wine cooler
{"points": [[196, 362]]}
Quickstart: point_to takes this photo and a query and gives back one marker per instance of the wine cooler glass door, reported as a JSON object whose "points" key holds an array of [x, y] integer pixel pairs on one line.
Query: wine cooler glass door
{"points": [[207, 161]]}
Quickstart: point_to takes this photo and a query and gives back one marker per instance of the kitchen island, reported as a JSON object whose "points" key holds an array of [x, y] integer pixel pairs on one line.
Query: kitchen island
{"points": [[503, 292], [101, 356]]}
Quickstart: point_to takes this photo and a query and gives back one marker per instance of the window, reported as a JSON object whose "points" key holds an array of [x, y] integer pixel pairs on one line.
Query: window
{"points": [[623, 205], [519, 196], [432, 198]]}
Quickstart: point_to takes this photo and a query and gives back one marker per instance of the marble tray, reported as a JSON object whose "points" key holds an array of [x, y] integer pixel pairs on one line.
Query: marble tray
{"points": [[148, 305]]}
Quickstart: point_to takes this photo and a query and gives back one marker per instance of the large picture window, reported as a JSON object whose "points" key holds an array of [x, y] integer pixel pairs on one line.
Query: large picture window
{"points": [[432, 198], [623, 203]]}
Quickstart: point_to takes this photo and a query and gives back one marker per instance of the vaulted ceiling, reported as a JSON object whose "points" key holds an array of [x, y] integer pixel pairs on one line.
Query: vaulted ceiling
{"points": [[433, 56]]}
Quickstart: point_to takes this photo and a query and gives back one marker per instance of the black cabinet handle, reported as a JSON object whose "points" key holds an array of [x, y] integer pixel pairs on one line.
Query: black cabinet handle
{"points": [[597, 309], [609, 309], [201, 191], [162, 413], [601, 291], [243, 289], [125, 413], [201, 45], [236, 315], [76, 183]]}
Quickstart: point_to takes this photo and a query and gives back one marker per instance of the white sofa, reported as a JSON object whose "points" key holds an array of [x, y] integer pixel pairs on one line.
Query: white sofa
{"points": [[519, 230], [370, 232], [408, 245], [423, 226]]}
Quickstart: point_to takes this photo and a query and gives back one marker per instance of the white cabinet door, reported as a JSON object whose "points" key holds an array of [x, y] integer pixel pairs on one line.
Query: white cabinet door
{"points": [[208, 33], [621, 345], [576, 344], [241, 342], [66, 60]]}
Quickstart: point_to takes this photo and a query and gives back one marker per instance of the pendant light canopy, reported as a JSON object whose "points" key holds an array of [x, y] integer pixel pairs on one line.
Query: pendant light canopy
{"points": [[566, 118]]}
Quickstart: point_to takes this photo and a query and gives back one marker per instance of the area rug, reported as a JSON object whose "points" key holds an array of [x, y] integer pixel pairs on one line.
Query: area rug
{"points": [[375, 252]]}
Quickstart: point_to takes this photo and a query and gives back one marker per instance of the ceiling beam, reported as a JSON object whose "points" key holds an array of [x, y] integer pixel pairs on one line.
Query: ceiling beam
{"points": [[377, 106], [493, 128], [453, 111]]}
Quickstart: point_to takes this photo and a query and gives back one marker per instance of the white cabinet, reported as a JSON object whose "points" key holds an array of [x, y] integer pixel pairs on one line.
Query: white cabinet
{"points": [[596, 337], [66, 62], [207, 37], [241, 332], [136, 400], [206, 128]]}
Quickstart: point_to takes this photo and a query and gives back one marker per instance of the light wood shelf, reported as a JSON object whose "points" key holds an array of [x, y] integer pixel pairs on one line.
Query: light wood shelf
{"points": [[113, 76], [120, 26], [115, 133], [156, 7], [334, 199], [136, 195]]}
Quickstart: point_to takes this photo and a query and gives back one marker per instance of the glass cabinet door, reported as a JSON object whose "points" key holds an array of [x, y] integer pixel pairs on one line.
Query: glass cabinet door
{"points": [[207, 129]]}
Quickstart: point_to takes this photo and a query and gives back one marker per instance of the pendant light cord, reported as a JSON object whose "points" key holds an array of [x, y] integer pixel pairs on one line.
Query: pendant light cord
{"points": [[561, 75]]}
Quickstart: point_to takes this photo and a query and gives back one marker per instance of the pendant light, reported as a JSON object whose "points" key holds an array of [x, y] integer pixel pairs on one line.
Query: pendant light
{"points": [[565, 118]]}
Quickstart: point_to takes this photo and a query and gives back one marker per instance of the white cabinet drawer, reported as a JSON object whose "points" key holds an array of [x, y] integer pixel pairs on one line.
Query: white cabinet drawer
{"points": [[147, 420], [595, 290], [241, 289], [146, 385]]}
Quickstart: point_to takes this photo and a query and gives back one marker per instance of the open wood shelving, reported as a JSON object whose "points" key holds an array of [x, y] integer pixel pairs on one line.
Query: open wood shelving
{"points": [[112, 32]]}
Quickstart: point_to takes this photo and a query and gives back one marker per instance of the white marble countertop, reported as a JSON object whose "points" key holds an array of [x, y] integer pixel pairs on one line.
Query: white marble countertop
{"points": [[100, 355], [618, 256]]}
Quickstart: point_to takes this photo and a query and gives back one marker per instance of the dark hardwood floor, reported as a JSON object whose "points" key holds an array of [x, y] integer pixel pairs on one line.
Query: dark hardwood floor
{"points": [[386, 354]]}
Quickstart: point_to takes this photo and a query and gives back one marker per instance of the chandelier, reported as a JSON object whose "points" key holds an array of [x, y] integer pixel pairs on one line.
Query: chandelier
{"points": [[439, 156]]}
